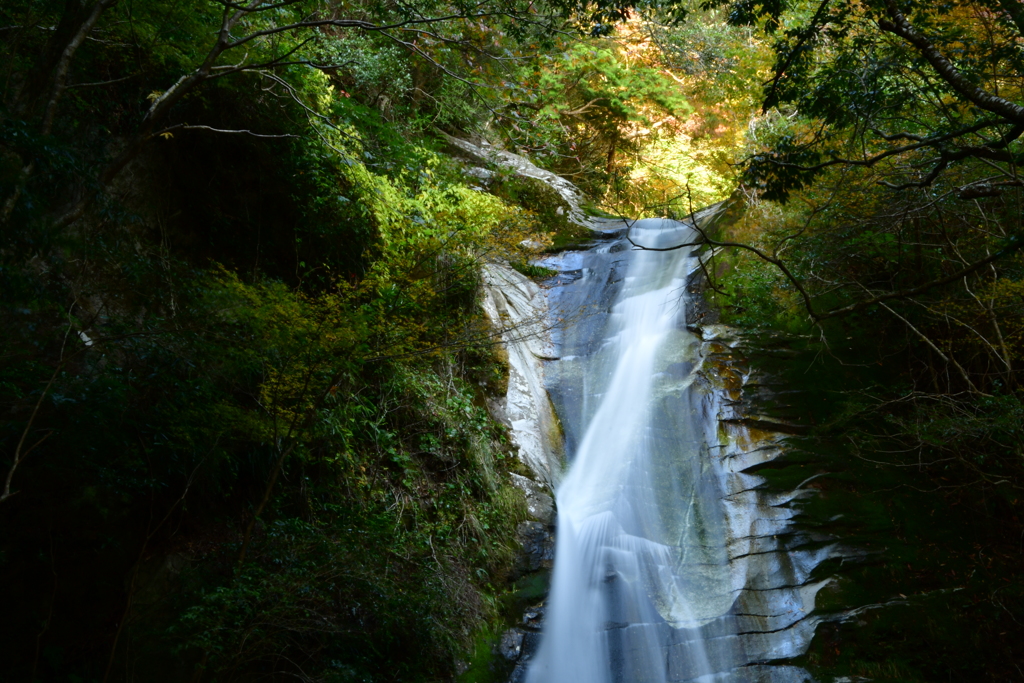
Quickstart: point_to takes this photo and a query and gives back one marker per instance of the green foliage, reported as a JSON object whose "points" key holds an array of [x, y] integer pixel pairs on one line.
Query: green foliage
{"points": [[398, 533], [884, 85], [374, 69], [914, 410], [578, 110], [545, 207], [261, 345], [754, 295]]}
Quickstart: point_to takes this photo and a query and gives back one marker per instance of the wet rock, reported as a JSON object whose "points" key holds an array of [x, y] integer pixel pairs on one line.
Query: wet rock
{"points": [[519, 673], [691, 659], [721, 333], [531, 641], [486, 153], [533, 618], [540, 505], [538, 543], [480, 173], [773, 674], [780, 645], [516, 307], [511, 644], [496, 409]]}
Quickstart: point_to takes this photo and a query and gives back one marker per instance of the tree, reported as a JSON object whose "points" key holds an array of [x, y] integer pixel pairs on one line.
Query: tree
{"points": [[197, 46], [910, 87], [246, 282], [589, 109]]}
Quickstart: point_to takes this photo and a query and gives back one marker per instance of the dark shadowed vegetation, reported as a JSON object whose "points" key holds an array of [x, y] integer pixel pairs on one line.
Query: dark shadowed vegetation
{"points": [[243, 372]]}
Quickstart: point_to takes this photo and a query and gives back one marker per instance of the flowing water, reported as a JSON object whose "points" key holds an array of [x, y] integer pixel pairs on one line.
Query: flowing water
{"points": [[646, 586]]}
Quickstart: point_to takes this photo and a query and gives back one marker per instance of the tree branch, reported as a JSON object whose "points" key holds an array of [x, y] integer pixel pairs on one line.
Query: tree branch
{"points": [[816, 316], [898, 25], [209, 70], [907, 293], [738, 245], [60, 76], [933, 347], [19, 454], [182, 126], [353, 23], [994, 151], [780, 70], [920, 143]]}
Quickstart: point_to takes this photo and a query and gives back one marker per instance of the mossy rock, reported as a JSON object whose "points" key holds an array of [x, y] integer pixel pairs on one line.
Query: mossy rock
{"points": [[550, 208]]}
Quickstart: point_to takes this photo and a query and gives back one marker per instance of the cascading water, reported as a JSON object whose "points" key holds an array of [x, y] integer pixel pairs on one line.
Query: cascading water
{"points": [[662, 571], [641, 549]]}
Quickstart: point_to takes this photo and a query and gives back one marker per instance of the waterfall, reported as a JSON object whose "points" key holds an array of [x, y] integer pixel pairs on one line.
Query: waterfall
{"points": [[656, 578]]}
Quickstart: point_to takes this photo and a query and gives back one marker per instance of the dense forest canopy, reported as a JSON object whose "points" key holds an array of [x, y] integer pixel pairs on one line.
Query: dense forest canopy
{"points": [[244, 372]]}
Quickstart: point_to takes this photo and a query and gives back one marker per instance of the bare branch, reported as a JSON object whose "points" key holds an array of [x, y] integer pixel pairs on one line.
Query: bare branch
{"points": [[933, 347], [209, 70], [19, 453], [352, 23], [907, 293], [922, 143], [816, 316], [170, 129], [705, 239], [256, 7], [60, 78], [100, 83]]}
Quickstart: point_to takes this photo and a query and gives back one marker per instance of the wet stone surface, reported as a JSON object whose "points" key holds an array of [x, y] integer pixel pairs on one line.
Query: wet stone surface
{"points": [[540, 505], [511, 644], [538, 547], [526, 639]]}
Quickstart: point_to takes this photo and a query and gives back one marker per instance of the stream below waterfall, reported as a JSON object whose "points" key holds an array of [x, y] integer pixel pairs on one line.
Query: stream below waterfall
{"points": [[672, 563]]}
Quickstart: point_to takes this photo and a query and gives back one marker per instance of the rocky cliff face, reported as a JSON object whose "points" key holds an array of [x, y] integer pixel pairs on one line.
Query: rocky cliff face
{"points": [[486, 155], [517, 308]]}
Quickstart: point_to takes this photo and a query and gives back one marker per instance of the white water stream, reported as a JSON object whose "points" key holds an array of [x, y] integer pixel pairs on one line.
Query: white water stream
{"points": [[641, 562], [674, 561]]}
